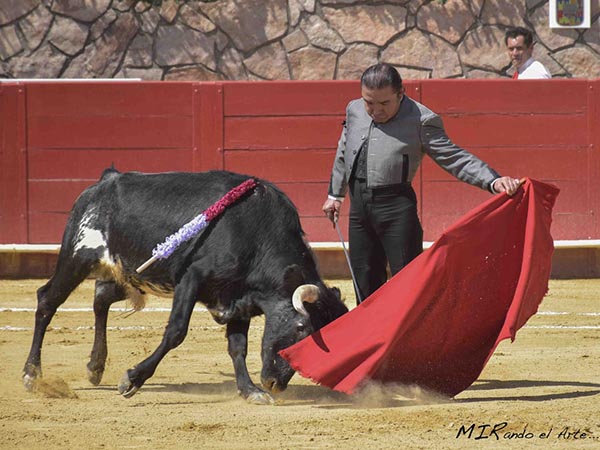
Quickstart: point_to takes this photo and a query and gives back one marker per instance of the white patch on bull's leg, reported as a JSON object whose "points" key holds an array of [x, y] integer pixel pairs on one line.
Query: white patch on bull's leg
{"points": [[88, 236], [110, 267]]}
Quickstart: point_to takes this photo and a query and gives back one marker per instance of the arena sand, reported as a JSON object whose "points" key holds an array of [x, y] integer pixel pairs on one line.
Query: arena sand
{"points": [[542, 391]]}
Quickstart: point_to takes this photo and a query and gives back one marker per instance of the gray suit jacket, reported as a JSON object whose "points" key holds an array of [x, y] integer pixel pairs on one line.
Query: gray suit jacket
{"points": [[396, 148]]}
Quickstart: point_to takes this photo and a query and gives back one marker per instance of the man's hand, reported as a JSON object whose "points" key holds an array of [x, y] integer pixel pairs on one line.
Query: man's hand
{"points": [[331, 208], [506, 184]]}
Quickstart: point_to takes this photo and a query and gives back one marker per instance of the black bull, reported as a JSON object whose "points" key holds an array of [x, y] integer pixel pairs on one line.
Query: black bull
{"points": [[250, 260]]}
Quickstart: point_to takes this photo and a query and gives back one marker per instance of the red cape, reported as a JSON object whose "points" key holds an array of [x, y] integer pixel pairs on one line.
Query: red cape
{"points": [[437, 322]]}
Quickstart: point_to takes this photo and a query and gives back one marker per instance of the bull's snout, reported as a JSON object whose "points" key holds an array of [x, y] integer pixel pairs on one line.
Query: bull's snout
{"points": [[272, 385]]}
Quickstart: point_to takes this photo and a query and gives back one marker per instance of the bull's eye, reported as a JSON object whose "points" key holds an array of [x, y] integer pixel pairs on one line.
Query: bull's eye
{"points": [[300, 327]]}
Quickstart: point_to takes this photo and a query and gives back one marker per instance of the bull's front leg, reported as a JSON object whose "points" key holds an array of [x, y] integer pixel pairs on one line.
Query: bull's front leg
{"points": [[237, 345], [176, 331]]}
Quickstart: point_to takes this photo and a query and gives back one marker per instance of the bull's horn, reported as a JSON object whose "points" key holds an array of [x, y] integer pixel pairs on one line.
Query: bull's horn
{"points": [[304, 293]]}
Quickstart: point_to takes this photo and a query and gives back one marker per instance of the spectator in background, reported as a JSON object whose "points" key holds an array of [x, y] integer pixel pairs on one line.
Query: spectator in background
{"points": [[519, 43]]}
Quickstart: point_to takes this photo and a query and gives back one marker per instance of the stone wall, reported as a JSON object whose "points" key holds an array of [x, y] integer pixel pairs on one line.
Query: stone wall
{"points": [[281, 39]]}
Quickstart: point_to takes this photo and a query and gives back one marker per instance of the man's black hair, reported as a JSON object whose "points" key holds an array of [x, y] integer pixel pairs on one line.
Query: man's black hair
{"points": [[513, 33], [380, 76]]}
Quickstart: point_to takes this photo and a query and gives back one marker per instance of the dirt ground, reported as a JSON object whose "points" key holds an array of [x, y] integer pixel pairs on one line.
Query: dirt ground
{"points": [[542, 391]]}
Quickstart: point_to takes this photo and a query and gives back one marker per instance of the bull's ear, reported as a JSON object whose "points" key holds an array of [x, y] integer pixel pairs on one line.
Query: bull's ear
{"points": [[292, 278]]}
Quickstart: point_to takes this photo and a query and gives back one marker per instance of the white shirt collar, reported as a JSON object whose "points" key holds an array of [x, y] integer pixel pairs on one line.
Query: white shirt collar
{"points": [[526, 65]]}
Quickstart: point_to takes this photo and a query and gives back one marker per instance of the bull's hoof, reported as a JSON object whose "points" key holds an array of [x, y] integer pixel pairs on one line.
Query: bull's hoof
{"points": [[126, 387], [260, 398], [29, 381], [95, 376]]}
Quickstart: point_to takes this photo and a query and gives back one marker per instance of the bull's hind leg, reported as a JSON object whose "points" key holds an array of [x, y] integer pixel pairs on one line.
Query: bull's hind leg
{"points": [[68, 275], [106, 293]]}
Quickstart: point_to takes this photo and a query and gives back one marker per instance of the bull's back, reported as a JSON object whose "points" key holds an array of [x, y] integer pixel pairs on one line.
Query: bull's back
{"points": [[137, 211], [155, 203]]}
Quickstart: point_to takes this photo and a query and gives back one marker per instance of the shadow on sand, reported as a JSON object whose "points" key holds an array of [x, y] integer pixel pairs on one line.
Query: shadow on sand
{"points": [[540, 390], [375, 395]]}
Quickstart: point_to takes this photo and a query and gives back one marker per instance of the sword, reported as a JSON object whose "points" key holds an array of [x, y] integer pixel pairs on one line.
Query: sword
{"points": [[337, 228]]}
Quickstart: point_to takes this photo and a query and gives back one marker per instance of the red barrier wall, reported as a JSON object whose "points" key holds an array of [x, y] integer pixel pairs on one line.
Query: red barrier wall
{"points": [[56, 138]]}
